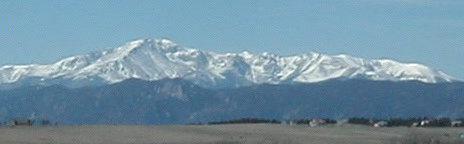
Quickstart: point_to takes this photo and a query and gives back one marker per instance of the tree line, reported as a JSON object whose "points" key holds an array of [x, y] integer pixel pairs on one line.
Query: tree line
{"points": [[27, 122], [392, 122]]}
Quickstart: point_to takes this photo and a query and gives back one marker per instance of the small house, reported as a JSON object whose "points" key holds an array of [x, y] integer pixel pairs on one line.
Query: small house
{"points": [[424, 123], [317, 122], [381, 124], [456, 124]]}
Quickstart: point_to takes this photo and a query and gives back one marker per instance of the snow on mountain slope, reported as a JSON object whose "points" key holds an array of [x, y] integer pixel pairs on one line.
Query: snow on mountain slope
{"points": [[154, 59]]}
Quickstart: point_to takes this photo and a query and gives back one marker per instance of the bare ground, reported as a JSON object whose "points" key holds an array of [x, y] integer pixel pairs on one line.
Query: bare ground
{"points": [[215, 134]]}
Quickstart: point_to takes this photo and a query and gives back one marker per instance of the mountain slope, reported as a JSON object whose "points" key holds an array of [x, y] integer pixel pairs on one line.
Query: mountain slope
{"points": [[155, 59], [176, 101]]}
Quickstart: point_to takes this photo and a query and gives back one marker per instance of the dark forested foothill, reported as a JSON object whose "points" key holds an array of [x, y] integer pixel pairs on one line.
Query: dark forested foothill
{"points": [[175, 101]]}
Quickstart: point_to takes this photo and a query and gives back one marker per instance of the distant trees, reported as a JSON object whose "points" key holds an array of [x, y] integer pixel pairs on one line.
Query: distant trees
{"points": [[423, 122], [403, 122], [441, 122], [361, 121], [308, 121], [246, 120], [270, 121], [392, 122], [407, 122], [26, 122]]}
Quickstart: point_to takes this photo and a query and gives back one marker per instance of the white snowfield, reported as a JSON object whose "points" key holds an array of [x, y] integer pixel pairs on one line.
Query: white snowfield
{"points": [[155, 59]]}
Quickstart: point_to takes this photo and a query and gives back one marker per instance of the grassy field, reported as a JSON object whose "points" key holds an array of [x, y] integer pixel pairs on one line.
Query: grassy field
{"points": [[226, 134]]}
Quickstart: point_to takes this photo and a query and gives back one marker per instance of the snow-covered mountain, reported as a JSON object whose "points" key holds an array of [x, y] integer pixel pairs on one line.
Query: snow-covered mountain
{"points": [[155, 59]]}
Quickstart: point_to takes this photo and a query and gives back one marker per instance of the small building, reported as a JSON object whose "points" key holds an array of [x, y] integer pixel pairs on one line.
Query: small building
{"points": [[317, 122], [424, 123], [381, 124], [456, 124]]}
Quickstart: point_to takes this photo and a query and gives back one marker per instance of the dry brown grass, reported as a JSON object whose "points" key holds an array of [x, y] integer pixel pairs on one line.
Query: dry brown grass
{"points": [[423, 137]]}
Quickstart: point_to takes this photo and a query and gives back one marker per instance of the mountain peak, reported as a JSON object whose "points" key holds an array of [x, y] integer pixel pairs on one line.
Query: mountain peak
{"points": [[165, 43], [162, 43], [155, 59]]}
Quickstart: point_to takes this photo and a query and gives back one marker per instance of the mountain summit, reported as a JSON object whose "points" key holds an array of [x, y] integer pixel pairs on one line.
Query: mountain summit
{"points": [[155, 59]]}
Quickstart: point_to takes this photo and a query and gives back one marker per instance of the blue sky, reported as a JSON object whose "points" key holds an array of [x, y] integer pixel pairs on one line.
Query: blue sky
{"points": [[430, 32]]}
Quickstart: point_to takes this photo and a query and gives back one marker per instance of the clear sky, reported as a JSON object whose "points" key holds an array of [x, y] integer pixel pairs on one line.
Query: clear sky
{"points": [[430, 32]]}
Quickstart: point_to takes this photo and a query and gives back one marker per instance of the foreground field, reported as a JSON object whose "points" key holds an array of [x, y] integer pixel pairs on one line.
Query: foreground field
{"points": [[221, 134]]}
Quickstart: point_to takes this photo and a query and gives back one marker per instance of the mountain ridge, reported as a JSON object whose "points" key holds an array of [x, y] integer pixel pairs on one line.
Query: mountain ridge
{"points": [[155, 59]]}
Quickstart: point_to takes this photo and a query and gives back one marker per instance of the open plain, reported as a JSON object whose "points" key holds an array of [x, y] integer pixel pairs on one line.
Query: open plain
{"points": [[223, 134]]}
